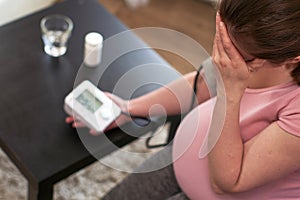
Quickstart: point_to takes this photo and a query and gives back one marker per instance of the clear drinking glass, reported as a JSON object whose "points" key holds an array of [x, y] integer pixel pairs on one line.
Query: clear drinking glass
{"points": [[56, 31]]}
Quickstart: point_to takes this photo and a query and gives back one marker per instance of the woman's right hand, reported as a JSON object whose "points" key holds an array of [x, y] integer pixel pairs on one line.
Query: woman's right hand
{"points": [[233, 71], [122, 119]]}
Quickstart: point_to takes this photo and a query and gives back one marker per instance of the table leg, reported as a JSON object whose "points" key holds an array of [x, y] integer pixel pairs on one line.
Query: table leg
{"points": [[40, 191]]}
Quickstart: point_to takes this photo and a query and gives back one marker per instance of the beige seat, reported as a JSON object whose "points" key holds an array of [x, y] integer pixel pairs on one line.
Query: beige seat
{"points": [[11, 10]]}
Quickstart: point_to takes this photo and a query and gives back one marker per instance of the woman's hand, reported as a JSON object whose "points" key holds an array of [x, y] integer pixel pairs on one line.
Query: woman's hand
{"points": [[122, 119], [233, 70]]}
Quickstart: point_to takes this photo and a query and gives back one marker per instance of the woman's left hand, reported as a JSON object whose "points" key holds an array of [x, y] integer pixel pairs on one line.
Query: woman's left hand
{"points": [[233, 70]]}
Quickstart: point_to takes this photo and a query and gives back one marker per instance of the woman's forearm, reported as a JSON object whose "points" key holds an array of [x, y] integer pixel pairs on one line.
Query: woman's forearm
{"points": [[225, 159], [173, 99]]}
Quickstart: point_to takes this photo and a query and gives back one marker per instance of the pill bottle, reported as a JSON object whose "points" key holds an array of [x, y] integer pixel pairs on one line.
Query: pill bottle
{"points": [[93, 44]]}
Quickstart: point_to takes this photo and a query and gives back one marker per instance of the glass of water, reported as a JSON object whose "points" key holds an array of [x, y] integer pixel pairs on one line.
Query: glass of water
{"points": [[56, 31]]}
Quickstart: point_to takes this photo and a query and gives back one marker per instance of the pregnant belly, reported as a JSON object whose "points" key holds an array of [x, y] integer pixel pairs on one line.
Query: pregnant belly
{"points": [[191, 171]]}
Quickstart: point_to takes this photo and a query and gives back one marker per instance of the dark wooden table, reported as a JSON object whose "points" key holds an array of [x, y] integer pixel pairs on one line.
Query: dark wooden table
{"points": [[33, 86]]}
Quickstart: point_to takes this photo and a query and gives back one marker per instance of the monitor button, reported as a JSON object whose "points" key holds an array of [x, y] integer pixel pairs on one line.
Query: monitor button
{"points": [[105, 114]]}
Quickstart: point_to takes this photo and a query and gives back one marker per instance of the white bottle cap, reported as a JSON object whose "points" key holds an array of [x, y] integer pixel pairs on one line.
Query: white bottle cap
{"points": [[94, 39], [93, 49]]}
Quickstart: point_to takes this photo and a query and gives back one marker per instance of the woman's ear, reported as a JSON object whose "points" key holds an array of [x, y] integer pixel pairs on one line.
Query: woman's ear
{"points": [[295, 60], [293, 63], [257, 63]]}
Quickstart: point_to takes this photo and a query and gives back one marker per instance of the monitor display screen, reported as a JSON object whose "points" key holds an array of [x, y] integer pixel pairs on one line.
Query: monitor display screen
{"points": [[89, 101]]}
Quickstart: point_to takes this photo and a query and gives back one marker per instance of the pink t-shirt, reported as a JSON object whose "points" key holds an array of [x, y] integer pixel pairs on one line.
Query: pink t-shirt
{"points": [[259, 108]]}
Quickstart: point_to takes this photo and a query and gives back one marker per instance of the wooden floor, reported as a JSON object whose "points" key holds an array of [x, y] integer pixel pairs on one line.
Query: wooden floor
{"points": [[193, 18]]}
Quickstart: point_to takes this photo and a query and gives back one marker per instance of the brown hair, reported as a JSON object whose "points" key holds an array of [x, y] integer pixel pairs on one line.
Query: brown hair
{"points": [[271, 26]]}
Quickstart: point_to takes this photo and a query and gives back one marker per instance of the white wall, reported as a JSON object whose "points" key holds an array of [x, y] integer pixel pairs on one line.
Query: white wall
{"points": [[13, 9]]}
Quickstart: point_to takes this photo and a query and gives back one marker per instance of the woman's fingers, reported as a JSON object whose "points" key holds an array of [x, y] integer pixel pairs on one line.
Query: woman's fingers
{"points": [[219, 44], [75, 122], [226, 43], [219, 54], [78, 124], [226, 56], [93, 132], [69, 119]]}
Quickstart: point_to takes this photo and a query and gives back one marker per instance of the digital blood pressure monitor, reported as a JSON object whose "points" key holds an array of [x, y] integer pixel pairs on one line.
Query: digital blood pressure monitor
{"points": [[91, 106]]}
